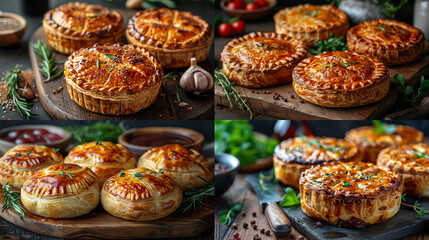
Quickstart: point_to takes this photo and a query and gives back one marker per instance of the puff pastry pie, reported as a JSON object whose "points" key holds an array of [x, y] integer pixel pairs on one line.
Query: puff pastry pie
{"points": [[412, 163], [262, 59], [61, 191], [311, 23], [105, 159], [341, 79], [295, 155], [140, 194], [181, 164], [388, 40], [172, 36], [350, 194], [113, 79], [78, 25], [22, 161], [371, 143]]}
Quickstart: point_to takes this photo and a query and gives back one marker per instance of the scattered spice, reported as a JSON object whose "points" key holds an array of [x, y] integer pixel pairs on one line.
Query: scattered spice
{"points": [[267, 232], [262, 230], [9, 23], [254, 214], [255, 227], [319, 224], [245, 225], [301, 101], [236, 235], [243, 214], [234, 226], [252, 222]]}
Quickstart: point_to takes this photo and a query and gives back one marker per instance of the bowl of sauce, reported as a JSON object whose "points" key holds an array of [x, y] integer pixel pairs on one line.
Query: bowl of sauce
{"points": [[226, 167], [34, 134], [12, 28], [140, 140]]}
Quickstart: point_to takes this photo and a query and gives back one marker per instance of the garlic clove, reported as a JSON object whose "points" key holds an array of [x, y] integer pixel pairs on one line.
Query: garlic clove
{"points": [[196, 79]]}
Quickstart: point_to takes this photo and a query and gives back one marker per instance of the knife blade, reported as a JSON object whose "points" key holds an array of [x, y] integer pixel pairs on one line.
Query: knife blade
{"points": [[279, 223]]}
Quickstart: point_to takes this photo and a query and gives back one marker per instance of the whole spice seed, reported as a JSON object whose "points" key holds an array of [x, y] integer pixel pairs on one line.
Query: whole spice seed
{"points": [[243, 214], [267, 232], [254, 214], [262, 230], [301, 101], [236, 235], [319, 224], [252, 222], [255, 227], [234, 226], [292, 96], [245, 225]]}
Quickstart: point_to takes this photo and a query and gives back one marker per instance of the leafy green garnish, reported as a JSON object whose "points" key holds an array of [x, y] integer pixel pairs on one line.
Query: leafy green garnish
{"points": [[64, 173], [409, 95], [421, 211], [12, 199], [99, 131], [346, 184], [387, 7], [420, 155], [98, 63], [46, 56], [332, 44], [266, 178], [381, 127], [226, 215], [111, 56], [290, 199], [381, 28]]}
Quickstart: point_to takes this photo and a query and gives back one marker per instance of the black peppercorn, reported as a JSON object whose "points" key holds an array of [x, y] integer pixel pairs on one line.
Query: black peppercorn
{"points": [[254, 214], [245, 225], [262, 230], [301, 101], [252, 222], [267, 232], [255, 227], [292, 96]]}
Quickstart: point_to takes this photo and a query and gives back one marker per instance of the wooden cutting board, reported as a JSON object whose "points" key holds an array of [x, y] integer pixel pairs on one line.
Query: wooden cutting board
{"points": [[262, 102], [100, 224]]}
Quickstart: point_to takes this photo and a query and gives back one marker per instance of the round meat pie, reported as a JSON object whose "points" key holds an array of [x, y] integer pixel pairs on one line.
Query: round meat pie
{"points": [[311, 23], [185, 166], [412, 163], [388, 40], [341, 79], [371, 141], [61, 191], [113, 79], [22, 161], [78, 25], [105, 159], [295, 155], [172, 36], [262, 59], [140, 194], [350, 194]]}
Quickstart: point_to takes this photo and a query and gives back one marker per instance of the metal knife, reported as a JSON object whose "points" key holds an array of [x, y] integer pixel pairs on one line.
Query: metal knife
{"points": [[268, 200]]}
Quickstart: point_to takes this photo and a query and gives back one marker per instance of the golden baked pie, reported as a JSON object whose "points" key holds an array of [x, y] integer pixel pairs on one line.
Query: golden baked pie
{"points": [[350, 194], [185, 166], [295, 155], [172, 36], [105, 159], [61, 191], [311, 23], [113, 79], [262, 59], [22, 161], [140, 194], [412, 163], [341, 79], [372, 142], [388, 40], [78, 25]]}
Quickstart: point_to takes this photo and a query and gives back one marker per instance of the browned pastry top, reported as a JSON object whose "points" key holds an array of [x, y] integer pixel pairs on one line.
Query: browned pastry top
{"points": [[410, 158], [99, 153]]}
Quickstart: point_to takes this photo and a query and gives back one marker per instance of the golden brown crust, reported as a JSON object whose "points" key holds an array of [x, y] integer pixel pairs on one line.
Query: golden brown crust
{"points": [[311, 23], [61, 191], [350, 194], [181, 164], [388, 40], [411, 161], [341, 79], [295, 155], [172, 36], [113, 79], [262, 59], [22, 161], [140, 194], [104, 158], [77, 25]]}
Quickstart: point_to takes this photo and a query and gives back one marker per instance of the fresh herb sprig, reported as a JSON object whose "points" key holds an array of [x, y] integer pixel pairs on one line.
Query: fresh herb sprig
{"points": [[99, 131], [409, 95], [421, 211], [227, 215], [332, 44], [172, 74], [420, 155], [230, 93], [263, 179], [12, 199], [195, 197], [381, 127], [387, 7], [290, 198], [48, 67], [13, 82], [64, 173]]}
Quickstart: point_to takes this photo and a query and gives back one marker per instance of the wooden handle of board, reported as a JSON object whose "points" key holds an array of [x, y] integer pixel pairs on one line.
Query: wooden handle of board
{"points": [[278, 220]]}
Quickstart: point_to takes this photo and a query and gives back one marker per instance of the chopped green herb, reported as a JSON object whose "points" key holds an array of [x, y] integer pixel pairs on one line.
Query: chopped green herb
{"points": [[28, 153], [121, 173], [138, 175], [18, 154], [161, 171], [381, 28], [346, 184], [111, 56], [95, 15], [56, 150], [98, 63]]}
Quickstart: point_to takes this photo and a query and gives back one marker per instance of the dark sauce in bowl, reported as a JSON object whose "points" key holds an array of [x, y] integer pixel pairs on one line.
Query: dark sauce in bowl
{"points": [[157, 140], [28, 136]]}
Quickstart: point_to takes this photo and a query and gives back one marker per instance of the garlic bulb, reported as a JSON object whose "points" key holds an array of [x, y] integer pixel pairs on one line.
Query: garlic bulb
{"points": [[196, 79]]}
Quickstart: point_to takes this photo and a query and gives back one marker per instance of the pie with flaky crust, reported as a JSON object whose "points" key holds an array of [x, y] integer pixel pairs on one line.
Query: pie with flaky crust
{"points": [[350, 194], [78, 25], [113, 79], [412, 163], [341, 79], [262, 59], [172, 36], [388, 40], [311, 23], [371, 142], [295, 155]]}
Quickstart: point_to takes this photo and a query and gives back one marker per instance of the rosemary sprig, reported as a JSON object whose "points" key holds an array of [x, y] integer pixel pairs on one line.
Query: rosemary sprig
{"points": [[45, 54], [421, 211], [64, 173], [195, 197], [226, 215], [12, 199], [171, 74], [13, 82], [230, 92], [111, 56], [420, 155]]}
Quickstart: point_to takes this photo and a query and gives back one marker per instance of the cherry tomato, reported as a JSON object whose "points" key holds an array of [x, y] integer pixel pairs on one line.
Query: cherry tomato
{"points": [[239, 27], [240, 4], [251, 7], [225, 29], [232, 5], [261, 3]]}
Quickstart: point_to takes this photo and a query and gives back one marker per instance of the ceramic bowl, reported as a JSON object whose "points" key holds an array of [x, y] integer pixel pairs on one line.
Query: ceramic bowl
{"points": [[224, 180], [249, 15], [11, 37]]}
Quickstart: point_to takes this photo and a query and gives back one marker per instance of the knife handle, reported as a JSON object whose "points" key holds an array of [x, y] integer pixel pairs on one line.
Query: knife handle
{"points": [[278, 220]]}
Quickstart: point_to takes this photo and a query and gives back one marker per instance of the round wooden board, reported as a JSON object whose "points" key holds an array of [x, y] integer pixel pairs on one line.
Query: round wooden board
{"points": [[101, 225]]}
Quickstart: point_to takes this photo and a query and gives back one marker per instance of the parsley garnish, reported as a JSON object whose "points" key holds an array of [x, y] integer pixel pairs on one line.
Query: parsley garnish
{"points": [[98, 143], [346, 184], [289, 198]]}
